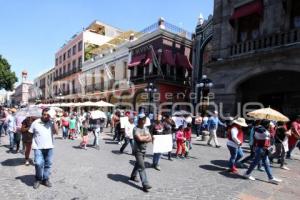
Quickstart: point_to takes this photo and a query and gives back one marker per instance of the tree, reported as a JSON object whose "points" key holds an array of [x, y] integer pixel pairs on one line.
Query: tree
{"points": [[7, 77]]}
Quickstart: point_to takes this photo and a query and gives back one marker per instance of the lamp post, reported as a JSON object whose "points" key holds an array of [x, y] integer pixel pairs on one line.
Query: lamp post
{"points": [[204, 85], [150, 89]]}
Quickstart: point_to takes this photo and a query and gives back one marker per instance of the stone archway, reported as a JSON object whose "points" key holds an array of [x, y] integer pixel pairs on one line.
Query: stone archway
{"points": [[279, 89]]}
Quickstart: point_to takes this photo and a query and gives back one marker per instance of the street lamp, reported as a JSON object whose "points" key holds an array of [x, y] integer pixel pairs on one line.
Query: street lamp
{"points": [[204, 85], [150, 89]]}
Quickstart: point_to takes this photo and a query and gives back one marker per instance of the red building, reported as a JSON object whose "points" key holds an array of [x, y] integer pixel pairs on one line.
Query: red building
{"points": [[160, 65]]}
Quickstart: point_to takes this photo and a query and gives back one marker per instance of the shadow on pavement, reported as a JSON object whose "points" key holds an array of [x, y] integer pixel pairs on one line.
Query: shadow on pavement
{"points": [[117, 152], [27, 179], [220, 163], [231, 175], [212, 168], [12, 162], [200, 144], [123, 179], [111, 142]]}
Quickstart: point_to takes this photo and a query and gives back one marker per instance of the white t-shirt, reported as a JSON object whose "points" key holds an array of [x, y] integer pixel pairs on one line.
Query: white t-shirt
{"points": [[236, 141], [129, 130], [42, 134]]}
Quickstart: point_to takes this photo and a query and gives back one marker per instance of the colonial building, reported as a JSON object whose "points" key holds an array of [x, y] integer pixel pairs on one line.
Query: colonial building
{"points": [[106, 75], [21, 94], [70, 57], [42, 89], [255, 54], [160, 67]]}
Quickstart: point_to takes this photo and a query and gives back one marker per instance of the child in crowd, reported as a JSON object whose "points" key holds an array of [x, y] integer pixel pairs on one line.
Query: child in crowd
{"points": [[180, 141], [84, 135], [187, 133]]}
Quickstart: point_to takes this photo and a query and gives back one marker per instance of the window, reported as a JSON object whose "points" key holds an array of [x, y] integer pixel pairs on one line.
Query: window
{"points": [[295, 15], [73, 87], [60, 59], [102, 79], [69, 67], [79, 46], [74, 49], [64, 69], [56, 61], [64, 56], [113, 73], [69, 53], [248, 28], [79, 62], [60, 71], [125, 70], [56, 73], [74, 64]]}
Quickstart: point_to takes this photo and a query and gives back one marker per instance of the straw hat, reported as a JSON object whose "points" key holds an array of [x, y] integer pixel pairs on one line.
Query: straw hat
{"points": [[241, 122], [13, 110]]}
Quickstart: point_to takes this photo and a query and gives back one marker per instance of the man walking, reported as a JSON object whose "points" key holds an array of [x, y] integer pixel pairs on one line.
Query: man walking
{"points": [[213, 123], [141, 137], [42, 144]]}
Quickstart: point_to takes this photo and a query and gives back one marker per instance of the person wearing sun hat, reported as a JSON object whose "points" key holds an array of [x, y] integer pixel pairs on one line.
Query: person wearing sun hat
{"points": [[235, 140]]}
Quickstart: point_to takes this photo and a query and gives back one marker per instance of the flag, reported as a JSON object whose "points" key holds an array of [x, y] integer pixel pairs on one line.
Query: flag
{"points": [[108, 72]]}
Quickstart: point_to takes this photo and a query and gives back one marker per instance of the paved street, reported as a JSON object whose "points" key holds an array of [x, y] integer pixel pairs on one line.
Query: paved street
{"points": [[93, 174]]}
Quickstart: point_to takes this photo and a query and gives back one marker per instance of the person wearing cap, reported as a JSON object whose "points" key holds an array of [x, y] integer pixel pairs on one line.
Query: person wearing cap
{"points": [[11, 128], [128, 134], [213, 124], [141, 137], [262, 143], [234, 143], [294, 138]]}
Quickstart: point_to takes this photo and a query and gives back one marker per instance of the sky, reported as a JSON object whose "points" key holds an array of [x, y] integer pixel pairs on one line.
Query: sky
{"points": [[33, 30]]}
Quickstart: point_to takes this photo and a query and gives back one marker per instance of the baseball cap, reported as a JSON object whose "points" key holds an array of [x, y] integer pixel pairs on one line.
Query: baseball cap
{"points": [[141, 116]]}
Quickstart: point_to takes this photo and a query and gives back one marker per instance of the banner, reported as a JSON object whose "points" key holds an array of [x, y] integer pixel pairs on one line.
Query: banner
{"points": [[162, 143], [124, 121]]}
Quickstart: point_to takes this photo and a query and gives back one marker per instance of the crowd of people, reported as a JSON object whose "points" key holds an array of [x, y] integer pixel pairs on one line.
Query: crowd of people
{"points": [[138, 129]]}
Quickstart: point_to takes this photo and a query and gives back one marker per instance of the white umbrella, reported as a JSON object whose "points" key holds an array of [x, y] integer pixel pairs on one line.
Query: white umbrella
{"points": [[97, 114], [30, 112], [88, 103], [104, 104]]}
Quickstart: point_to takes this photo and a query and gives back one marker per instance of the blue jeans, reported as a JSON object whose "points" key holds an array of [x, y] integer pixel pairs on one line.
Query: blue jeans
{"points": [[11, 140], [156, 157], [43, 162], [261, 154], [235, 155], [198, 129], [65, 132]]}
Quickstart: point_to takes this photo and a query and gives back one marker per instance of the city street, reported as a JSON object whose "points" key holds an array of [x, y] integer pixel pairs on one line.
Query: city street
{"points": [[104, 174]]}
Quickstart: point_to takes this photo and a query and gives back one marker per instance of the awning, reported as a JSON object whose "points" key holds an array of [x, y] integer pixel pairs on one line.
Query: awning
{"points": [[255, 7], [136, 60], [183, 61], [168, 58]]}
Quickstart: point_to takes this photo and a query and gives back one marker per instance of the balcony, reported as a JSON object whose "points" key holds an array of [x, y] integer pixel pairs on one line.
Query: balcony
{"points": [[159, 78], [66, 74], [265, 43]]}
